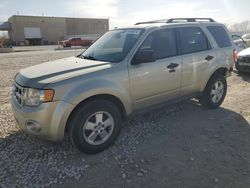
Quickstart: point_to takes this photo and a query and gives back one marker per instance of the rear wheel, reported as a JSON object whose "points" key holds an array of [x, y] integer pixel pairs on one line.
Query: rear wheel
{"points": [[215, 92], [94, 126]]}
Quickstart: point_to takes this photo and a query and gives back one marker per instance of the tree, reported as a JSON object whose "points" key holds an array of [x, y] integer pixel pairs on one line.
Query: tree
{"points": [[243, 27]]}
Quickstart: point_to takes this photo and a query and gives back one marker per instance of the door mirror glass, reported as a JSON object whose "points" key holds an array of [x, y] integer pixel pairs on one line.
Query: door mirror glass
{"points": [[143, 56]]}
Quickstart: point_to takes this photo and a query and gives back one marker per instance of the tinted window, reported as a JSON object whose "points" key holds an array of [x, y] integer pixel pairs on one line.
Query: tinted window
{"points": [[220, 36], [192, 39], [74, 39], [162, 42]]}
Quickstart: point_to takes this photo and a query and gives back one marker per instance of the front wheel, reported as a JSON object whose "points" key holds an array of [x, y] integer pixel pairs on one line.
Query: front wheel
{"points": [[94, 126], [215, 92]]}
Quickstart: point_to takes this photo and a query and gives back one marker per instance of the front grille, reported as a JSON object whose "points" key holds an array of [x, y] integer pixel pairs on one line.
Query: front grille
{"points": [[247, 59], [244, 59], [19, 92]]}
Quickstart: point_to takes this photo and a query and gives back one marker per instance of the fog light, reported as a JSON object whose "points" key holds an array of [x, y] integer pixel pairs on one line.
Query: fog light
{"points": [[33, 126]]}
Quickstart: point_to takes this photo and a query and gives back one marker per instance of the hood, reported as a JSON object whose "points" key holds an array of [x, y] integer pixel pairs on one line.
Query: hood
{"points": [[245, 52], [53, 71]]}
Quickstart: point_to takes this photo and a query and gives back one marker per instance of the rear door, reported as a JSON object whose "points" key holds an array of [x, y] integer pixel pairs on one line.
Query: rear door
{"points": [[197, 54], [75, 42], [72, 42], [158, 81]]}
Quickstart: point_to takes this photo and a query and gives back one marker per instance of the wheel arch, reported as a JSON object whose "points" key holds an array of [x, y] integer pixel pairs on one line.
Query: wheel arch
{"points": [[222, 71], [115, 100]]}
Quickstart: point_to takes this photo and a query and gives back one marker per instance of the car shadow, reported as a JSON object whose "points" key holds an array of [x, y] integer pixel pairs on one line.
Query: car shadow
{"points": [[244, 75], [191, 147]]}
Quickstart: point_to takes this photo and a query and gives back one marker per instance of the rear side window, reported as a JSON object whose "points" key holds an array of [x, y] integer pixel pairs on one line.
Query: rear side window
{"points": [[192, 39], [220, 35], [162, 42]]}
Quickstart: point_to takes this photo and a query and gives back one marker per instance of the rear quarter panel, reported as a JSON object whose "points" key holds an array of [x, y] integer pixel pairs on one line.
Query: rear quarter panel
{"points": [[224, 56]]}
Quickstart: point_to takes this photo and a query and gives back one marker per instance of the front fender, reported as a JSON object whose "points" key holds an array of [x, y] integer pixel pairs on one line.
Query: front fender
{"points": [[92, 88]]}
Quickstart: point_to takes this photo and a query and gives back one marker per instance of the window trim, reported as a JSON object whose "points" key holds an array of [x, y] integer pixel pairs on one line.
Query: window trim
{"points": [[209, 47]]}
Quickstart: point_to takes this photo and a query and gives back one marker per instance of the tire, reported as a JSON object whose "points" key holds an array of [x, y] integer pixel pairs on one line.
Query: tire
{"points": [[215, 92], [65, 45], [237, 67], [89, 124]]}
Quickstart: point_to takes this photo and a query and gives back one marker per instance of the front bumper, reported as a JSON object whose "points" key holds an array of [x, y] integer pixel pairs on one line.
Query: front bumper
{"points": [[48, 120], [242, 67]]}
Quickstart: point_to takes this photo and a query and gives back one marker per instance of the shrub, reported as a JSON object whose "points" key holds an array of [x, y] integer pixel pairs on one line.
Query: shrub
{"points": [[2, 42], [5, 42]]}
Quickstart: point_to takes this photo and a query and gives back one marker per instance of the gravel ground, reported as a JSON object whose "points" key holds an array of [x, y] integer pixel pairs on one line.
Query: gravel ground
{"points": [[183, 145]]}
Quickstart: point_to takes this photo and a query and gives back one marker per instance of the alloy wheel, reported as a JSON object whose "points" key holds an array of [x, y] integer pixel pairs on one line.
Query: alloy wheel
{"points": [[98, 128]]}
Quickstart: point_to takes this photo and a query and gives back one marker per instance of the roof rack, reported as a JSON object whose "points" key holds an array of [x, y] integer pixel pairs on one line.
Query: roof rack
{"points": [[153, 21], [176, 20]]}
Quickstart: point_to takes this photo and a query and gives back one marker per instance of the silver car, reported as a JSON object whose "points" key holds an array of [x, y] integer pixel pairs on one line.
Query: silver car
{"points": [[243, 61], [125, 71]]}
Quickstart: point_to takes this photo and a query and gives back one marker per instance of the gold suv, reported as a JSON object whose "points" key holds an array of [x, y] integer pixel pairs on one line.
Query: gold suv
{"points": [[126, 70]]}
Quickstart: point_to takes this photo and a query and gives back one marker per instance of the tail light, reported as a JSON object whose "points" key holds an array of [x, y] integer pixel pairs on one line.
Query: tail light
{"points": [[235, 56]]}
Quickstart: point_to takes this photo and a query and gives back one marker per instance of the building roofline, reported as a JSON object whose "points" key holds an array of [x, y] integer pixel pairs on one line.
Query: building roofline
{"points": [[58, 17]]}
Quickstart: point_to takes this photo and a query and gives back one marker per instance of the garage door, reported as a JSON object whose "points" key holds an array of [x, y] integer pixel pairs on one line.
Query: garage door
{"points": [[32, 33]]}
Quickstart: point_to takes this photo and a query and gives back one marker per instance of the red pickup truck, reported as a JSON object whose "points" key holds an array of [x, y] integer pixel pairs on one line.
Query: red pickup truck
{"points": [[76, 42]]}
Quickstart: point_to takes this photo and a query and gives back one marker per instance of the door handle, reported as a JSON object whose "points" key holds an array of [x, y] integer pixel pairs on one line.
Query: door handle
{"points": [[209, 57], [172, 65]]}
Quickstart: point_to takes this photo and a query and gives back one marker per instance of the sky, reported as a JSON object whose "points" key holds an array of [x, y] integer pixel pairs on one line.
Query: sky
{"points": [[128, 12]]}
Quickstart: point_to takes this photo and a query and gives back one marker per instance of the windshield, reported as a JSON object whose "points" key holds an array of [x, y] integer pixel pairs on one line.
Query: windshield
{"points": [[113, 46]]}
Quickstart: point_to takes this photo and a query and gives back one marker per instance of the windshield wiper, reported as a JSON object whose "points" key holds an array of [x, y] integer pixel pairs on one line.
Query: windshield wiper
{"points": [[89, 57]]}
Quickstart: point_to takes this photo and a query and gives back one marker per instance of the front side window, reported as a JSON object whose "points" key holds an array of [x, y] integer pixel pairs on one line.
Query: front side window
{"points": [[75, 39], [192, 39], [162, 43], [113, 46]]}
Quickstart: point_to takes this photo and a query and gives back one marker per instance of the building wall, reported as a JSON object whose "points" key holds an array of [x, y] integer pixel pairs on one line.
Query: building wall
{"points": [[79, 26], [54, 29]]}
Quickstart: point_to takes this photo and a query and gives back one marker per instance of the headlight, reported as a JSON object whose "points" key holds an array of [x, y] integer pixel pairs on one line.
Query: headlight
{"points": [[240, 58], [34, 97]]}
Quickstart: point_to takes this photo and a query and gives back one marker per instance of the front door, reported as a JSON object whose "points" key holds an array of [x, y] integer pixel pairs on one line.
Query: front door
{"points": [[158, 81]]}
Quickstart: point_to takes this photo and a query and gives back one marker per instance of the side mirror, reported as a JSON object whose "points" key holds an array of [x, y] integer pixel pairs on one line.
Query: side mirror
{"points": [[143, 56]]}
